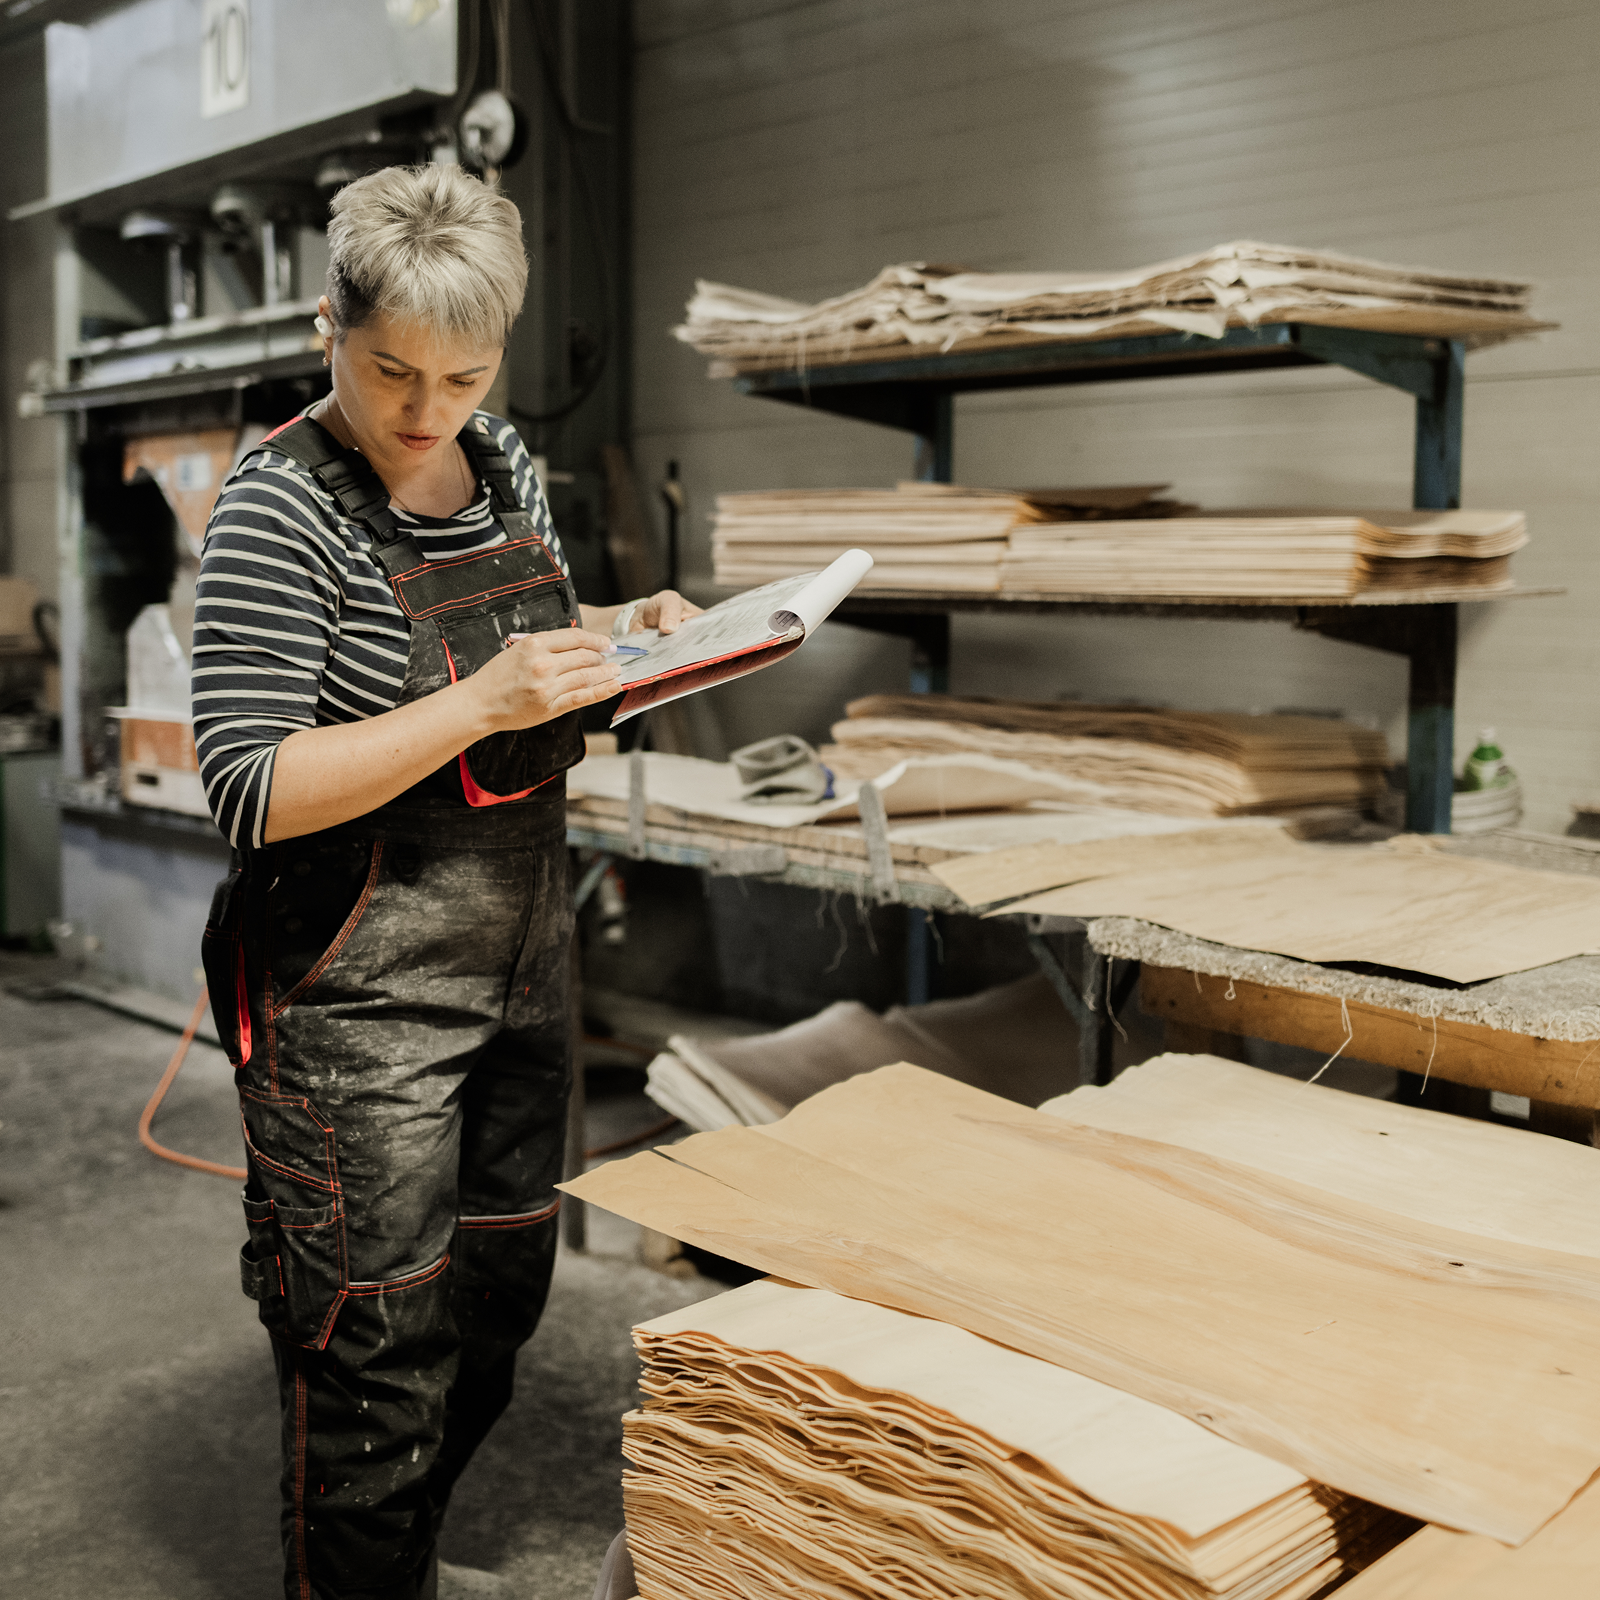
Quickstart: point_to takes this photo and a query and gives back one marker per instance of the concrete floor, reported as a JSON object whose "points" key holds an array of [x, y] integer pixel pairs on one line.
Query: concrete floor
{"points": [[136, 1398]]}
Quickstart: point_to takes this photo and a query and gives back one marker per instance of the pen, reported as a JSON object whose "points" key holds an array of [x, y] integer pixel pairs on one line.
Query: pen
{"points": [[615, 650]]}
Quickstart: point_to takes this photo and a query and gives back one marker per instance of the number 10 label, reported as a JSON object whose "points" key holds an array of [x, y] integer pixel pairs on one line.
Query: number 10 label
{"points": [[224, 56]]}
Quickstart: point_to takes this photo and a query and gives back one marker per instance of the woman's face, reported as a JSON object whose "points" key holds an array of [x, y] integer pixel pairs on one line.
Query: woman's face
{"points": [[403, 388]]}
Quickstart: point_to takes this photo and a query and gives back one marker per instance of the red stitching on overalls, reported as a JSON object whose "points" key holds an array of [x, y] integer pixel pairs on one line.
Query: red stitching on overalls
{"points": [[330, 1186], [300, 1479], [332, 1182], [325, 1332], [274, 1165], [474, 555], [520, 1219], [412, 1280], [328, 956], [482, 594]]}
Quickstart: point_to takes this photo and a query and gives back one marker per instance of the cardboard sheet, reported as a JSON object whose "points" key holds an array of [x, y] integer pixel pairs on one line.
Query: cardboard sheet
{"points": [[1448, 916], [1374, 1353]]}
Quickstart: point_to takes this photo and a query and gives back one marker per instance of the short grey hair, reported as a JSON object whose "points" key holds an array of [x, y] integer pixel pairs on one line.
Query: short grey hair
{"points": [[432, 245]]}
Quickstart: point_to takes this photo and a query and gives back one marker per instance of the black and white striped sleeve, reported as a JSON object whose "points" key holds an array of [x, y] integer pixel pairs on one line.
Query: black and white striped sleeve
{"points": [[529, 490], [266, 622]]}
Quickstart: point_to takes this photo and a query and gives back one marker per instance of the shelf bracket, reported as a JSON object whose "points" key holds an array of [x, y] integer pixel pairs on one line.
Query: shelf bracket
{"points": [[1401, 362]]}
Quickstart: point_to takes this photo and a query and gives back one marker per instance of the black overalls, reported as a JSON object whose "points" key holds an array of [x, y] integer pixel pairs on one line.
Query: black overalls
{"points": [[394, 992]]}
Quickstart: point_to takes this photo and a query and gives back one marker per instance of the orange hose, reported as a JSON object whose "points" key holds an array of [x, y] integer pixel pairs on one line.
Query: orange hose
{"points": [[652, 1132], [174, 1066], [180, 1055]]}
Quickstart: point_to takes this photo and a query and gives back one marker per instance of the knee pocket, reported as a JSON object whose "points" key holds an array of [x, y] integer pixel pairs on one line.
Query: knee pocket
{"points": [[293, 1263]]}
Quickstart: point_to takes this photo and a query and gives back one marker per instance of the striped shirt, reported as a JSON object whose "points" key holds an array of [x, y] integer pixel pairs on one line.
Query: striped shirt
{"points": [[295, 624]]}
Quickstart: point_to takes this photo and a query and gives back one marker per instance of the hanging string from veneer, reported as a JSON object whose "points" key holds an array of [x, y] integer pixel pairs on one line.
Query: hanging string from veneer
{"points": [[1349, 1034]]}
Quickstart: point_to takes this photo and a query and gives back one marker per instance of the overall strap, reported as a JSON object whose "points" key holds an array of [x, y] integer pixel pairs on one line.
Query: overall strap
{"points": [[492, 464], [356, 488]]}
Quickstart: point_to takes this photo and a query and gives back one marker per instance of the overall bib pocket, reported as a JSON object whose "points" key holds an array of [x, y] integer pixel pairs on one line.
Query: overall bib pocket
{"points": [[320, 894]]}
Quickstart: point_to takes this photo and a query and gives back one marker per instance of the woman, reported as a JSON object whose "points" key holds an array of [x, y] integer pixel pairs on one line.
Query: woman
{"points": [[388, 661]]}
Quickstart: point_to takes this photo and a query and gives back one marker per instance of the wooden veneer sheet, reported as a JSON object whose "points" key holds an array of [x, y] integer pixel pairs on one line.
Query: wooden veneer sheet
{"points": [[1445, 1375], [1559, 1562], [1416, 911], [1478, 1177]]}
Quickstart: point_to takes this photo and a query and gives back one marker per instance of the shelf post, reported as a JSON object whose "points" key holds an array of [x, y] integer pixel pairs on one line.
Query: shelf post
{"points": [[1436, 479], [936, 439], [1431, 700], [1430, 721], [930, 657]]}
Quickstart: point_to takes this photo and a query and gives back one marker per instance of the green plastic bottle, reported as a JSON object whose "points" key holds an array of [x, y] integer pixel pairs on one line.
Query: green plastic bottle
{"points": [[1486, 767]]}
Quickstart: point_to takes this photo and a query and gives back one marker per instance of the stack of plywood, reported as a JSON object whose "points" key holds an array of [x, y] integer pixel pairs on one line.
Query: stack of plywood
{"points": [[920, 535], [793, 1441], [1182, 763], [1250, 554], [917, 309]]}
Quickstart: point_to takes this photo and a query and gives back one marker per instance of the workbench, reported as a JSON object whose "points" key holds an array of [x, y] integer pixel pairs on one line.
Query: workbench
{"points": [[1534, 1034]]}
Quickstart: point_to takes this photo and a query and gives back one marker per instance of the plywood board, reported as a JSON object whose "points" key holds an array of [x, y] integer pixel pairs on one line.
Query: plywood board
{"points": [[1561, 1071], [1448, 916], [1376, 1354]]}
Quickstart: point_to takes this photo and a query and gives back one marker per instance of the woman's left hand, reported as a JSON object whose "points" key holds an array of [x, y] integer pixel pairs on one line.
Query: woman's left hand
{"points": [[665, 611]]}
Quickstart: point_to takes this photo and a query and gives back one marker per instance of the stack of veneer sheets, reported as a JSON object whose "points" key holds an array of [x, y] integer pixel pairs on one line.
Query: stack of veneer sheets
{"points": [[1373, 1305], [1128, 542], [1010, 1040], [794, 1441], [1284, 554], [923, 536], [917, 309], [1182, 763]]}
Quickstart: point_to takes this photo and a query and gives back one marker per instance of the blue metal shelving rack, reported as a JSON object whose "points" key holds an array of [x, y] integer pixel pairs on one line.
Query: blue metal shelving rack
{"points": [[916, 394]]}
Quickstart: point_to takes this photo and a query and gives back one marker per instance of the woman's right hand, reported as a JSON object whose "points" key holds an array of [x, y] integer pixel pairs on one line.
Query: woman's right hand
{"points": [[541, 676]]}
